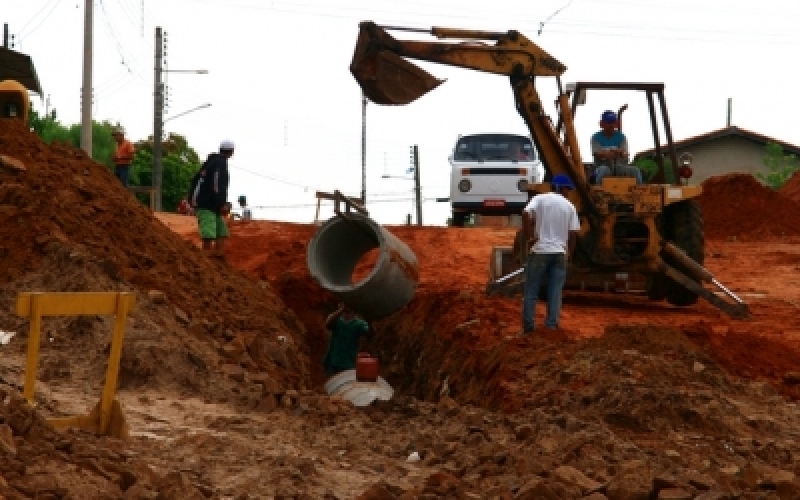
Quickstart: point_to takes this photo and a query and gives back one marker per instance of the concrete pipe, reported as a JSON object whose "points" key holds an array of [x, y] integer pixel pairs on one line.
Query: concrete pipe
{"points": [[336, 249], [346, 385]]}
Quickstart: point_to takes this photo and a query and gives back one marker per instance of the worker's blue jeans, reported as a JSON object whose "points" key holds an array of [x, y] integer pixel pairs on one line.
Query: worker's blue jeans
{"points": [[123, 173], [553, 267], [621, 171]]}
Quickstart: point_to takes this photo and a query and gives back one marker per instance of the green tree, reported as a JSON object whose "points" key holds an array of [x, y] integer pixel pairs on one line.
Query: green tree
{"points": [[179, 160], [649, 168], [781, 166], [179, 164], [50, 129]]}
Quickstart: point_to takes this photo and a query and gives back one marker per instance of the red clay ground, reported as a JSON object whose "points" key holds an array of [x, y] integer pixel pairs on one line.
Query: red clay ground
{"points": [[452, 280], [220, 377]]}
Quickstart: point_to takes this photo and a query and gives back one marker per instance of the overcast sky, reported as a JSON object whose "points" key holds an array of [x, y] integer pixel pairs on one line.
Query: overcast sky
{"points": [[280, 86]]}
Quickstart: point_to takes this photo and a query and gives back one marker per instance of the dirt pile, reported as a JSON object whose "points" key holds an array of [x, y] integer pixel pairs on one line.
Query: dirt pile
{"points": [[36, 462], [738, 206], [633, 414], [657, 409], [276, 253], [791, 189], [67, 216]]}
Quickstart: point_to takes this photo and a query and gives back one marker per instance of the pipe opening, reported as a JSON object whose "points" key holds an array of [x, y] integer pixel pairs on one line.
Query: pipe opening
{"points": [[367, 267], [347, 253]]}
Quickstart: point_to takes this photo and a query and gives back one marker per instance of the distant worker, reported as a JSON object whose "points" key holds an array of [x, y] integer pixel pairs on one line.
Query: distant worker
{"points": [[517, 153], [208, 195], [610, 150], [246, 213], [123, 155], [346, 329], [225, 211], [184, 208], [551, 223]]}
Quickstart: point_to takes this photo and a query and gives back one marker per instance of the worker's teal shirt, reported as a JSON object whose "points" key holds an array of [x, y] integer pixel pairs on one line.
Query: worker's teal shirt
{"points": [[343, 344]]}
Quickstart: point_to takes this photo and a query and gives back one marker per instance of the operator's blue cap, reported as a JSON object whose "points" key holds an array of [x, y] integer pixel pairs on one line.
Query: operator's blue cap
{"points": [[608, 117], [562, 181]]}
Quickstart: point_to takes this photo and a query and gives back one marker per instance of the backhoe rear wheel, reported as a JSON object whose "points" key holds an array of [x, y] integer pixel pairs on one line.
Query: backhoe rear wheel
{"points": [[656, 287], [459, 218], [683, 225]]}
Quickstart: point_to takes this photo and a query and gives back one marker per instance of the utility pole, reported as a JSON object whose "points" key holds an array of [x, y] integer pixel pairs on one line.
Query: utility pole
{"points": [[364, 149], [86, 92], [158, 118], [418, 191], [5, 35], [730, 110]]}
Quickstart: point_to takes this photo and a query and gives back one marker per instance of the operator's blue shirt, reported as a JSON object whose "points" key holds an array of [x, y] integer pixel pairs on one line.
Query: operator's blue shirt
{"points": [[615, 141], [601, 142]]}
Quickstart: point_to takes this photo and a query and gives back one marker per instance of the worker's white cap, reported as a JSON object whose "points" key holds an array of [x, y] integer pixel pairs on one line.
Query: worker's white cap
{"points": [[226, 145]]}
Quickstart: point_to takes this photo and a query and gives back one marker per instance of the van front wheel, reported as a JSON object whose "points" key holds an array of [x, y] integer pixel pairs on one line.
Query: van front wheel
{"points": [[459, 219]]}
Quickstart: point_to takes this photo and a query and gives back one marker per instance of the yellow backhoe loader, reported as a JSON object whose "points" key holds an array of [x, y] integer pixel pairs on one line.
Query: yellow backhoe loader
{"points": [[653, 231]]}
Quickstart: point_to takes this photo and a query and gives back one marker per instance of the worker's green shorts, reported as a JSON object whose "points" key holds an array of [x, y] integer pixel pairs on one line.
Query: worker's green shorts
{"points": [[212, 226]]}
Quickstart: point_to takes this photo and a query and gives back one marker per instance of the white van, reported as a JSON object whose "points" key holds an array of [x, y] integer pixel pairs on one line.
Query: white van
{"points": [[489, 174]]}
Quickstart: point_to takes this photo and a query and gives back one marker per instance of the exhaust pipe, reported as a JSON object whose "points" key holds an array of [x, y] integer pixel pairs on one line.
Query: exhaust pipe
{"points": [[336, 249]]}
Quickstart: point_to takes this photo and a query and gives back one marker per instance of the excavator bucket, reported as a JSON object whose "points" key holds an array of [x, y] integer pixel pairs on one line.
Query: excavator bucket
{"points": [[385, 77]]}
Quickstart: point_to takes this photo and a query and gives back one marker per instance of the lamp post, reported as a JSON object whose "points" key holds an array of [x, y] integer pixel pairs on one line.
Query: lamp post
{"points": [[202, 106], [417, 190], [158, 114], [364, 149]]}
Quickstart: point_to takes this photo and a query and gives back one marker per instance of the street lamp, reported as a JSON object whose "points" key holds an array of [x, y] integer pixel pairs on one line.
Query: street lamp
{"points": [[202, 106], [158, 114], [415, 169]]}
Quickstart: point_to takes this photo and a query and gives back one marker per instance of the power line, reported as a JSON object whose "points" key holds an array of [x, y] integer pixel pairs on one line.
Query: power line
{"points": [[310, 205], [21, 30], [275, 179], [20, 34], [541, 24], [114, 36], [123, 5]]}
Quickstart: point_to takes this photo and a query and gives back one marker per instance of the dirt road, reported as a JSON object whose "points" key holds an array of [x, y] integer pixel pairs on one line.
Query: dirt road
{"points": [[221, 384]]}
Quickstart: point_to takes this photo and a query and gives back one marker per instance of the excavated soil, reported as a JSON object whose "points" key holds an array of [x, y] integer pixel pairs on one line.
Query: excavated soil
{"points": [[791, 189], [737, 206], [221, 379]]}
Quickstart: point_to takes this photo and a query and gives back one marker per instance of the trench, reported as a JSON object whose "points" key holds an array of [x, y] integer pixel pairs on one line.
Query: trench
{"points": [[451, 339], [421, 351]]}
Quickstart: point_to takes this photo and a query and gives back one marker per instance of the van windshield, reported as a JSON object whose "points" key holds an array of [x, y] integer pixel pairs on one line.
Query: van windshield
{"points": [[494, 147]]}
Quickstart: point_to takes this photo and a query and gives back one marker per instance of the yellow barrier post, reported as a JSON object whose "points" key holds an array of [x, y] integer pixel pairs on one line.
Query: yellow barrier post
{"points": [[106, 417], [34, 335], [112, 371]]}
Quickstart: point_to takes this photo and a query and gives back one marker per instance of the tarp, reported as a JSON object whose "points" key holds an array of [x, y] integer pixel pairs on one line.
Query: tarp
{"points": [[19, 67]]}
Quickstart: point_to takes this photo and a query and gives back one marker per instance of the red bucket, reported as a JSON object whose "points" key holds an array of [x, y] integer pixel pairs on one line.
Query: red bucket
{"points": [[366, 368]]}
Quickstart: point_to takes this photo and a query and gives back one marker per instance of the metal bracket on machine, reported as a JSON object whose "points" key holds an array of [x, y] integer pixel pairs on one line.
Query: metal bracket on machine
{"points": [[738, 309]]}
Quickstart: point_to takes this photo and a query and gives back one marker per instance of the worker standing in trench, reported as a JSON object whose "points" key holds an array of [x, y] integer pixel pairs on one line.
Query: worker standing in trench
{"points": [[346, 331]]}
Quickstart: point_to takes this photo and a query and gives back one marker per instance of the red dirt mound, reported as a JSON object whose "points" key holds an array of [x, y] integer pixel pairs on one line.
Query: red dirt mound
{"points": [[38, 462], [63, 199], [791, 189], [738, 206]]}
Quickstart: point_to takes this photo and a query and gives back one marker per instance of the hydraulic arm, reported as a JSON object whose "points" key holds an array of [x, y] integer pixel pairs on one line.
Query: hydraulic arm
{"points": [[387, 78]]}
